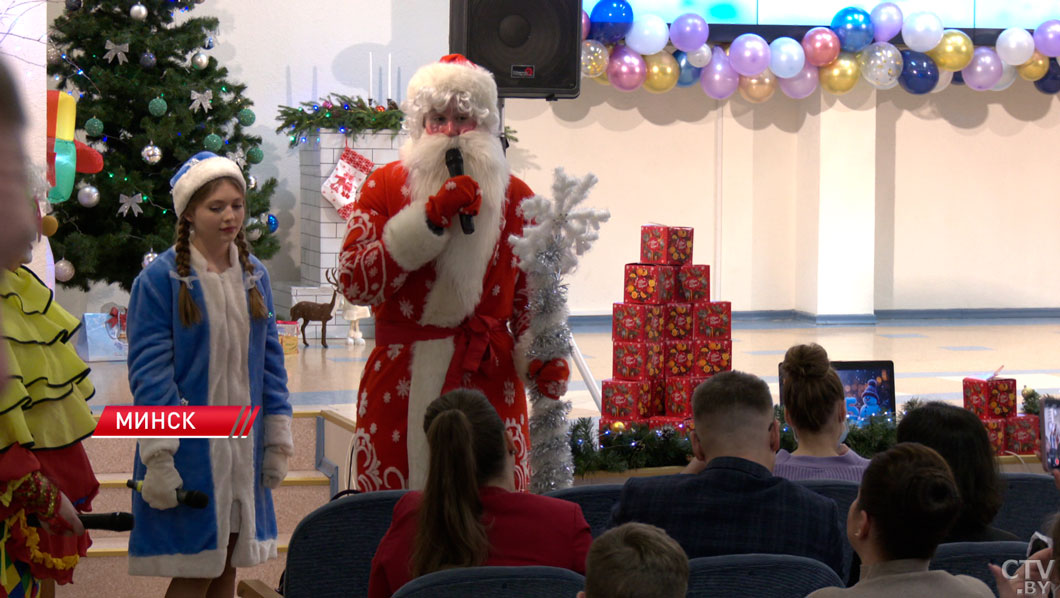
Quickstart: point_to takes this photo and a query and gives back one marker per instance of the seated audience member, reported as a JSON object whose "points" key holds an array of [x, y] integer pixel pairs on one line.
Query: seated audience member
{"points": [[906, 505], [635, 560], [735, 505], [1044, 576], [469, 513], [959, 436], [815, 408]]}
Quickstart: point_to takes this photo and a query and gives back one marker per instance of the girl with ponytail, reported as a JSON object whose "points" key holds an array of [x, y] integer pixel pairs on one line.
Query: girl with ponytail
{"points": [[469, 514], [201, 332]]}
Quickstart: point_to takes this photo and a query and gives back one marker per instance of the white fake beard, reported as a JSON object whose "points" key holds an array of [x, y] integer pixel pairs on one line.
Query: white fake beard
{"points": [[484, 161]]}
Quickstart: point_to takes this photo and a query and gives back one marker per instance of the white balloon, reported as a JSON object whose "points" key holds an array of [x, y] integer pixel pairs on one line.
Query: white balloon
{"points": [[1008, 77], [648, 35], [786, 57], [945, 78], [922, 31], [1015, 46], [701, 57]]}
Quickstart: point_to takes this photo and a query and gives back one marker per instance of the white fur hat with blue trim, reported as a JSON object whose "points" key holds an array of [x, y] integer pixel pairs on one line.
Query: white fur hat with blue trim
{"points": [[200, 169]]}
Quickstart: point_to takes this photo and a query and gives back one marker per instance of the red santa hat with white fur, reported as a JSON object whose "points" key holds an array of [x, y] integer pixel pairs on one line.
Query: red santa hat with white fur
{"points": [[453, 78]]}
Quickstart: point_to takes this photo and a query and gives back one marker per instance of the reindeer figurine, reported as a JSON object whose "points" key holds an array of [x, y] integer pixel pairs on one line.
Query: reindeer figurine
{"points": [[307, 311]]}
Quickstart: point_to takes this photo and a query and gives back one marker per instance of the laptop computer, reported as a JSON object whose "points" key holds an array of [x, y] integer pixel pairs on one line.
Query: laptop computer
{"points": [[867, 385]]}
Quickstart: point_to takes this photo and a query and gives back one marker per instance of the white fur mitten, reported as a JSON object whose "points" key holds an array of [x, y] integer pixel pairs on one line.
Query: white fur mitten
{"points": [[279, 448], [161, 482], [273, 468]]}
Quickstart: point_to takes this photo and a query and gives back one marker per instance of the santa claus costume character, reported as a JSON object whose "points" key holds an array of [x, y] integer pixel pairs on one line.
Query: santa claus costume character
{"points": [[450, 308], [202, 332]]}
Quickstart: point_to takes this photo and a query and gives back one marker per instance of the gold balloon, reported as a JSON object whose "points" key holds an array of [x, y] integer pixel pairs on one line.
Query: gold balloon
{"points": [[759, 88], [594, 58], [48, 225], [1035, 68], [663, 72], [841, 75], [954, 52]]}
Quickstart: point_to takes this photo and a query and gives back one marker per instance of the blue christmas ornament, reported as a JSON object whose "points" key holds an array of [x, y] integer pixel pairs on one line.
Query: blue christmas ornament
{"points": [[273, 223]]}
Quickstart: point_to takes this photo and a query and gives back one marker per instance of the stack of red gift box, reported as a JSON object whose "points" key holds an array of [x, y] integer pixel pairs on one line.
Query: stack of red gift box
{"points": [[668, 335], [994, 401]]}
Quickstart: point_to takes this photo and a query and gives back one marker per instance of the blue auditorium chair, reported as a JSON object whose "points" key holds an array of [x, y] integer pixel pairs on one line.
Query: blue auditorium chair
{"points": [[773, 575], [494, 582], [1030, 499], [972, 558], [595, 500]]}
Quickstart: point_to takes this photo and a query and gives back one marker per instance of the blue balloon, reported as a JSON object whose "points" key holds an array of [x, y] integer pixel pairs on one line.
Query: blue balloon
{"points": [[1050, 83], [610, 21], [689, 74], [853, 26], [273, 223], [920, 74]]}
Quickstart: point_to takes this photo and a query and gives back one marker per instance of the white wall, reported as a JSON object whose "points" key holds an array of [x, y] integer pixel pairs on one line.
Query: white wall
{"points": [[23, 50], [954, 189]]}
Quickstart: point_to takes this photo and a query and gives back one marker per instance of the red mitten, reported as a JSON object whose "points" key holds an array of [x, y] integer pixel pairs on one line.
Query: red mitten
{"points": [[459, 194], [550, 377]]}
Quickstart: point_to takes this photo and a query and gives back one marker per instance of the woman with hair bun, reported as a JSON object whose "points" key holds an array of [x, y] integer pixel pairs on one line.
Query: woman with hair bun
{"points": [[469, 514], [905, 507], [814, 407]]}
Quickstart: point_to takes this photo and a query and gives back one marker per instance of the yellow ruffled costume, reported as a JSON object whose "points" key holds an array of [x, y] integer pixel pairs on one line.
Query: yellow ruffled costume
{"points": [[43, 418]]}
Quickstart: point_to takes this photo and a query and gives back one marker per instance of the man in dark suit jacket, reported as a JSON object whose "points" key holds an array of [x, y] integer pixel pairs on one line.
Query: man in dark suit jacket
{"points": [[735, 505]]}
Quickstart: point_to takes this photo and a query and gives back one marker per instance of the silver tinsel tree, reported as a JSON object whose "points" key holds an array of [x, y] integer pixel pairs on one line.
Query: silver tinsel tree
{"points": [[547, 251]]}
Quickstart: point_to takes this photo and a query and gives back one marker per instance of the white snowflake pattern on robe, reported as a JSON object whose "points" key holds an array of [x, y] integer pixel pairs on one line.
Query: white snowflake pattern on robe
{"points": [[406, 308], [367, 463], [522, 470], [403, 387], [509, 392], [394, 350], [362, 404], [396, 436], [386, 398]]}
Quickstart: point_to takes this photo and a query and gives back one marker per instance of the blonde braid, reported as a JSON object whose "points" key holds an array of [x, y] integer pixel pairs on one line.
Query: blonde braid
{"points": [[189, 311], [257, 302]]}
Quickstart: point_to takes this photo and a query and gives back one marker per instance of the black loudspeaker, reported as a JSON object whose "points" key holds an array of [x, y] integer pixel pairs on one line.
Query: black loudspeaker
{"points": [[532, 47]]}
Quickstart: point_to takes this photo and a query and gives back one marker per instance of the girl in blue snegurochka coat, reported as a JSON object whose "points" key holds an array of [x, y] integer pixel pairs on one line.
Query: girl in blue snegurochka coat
{"points": [[201, 332]]}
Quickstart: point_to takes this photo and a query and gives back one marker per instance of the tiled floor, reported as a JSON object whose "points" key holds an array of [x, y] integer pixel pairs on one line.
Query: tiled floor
{"points": [[930, 358]]}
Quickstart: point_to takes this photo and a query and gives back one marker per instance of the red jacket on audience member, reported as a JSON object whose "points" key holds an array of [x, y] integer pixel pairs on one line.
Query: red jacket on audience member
{"points": [[524, 529]]}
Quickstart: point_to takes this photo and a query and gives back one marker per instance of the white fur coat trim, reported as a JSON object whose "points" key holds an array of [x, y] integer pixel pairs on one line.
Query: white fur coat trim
{"points": [[278, 434], [208, 563], [430, 364], [408, 240]]}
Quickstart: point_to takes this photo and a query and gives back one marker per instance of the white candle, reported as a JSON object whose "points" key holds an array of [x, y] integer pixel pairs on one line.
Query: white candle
{"points": [[371, 76], [389, 90]]}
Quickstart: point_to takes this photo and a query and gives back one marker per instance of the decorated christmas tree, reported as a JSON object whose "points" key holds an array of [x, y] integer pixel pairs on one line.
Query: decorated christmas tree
{"points": [[150, 96]]}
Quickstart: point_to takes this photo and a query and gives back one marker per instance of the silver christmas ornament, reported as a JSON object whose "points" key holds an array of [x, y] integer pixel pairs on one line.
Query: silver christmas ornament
{"points": [[147, 60], [151, 154], [253, 234], [88, 196], [148, 258], [252, 182], [208, 44], [200, 61], [54, 55], [64, 270], [138, 12]]}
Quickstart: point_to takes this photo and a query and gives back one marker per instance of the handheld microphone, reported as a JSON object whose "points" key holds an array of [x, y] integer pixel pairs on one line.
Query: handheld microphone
{"points": [[115, 522], [190, 498], [454, 161]]}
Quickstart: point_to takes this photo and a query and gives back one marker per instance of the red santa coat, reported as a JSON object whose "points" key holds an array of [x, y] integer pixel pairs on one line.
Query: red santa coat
{"points": [[446, 310]]}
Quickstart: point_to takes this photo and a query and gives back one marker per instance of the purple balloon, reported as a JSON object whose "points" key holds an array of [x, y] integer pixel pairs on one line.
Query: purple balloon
{"points": [[749, 55], [802, 84], [689, 32], [984, 71], [1047, 38], [626, 69], [886, 21], [586, 24], [718, 79]]}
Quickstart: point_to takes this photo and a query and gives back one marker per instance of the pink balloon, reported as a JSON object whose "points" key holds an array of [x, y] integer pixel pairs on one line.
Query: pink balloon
{"points": [[586, 24], [984, 71], [821, 46], [718, 79], [749, 55], [802, 84], [626, 69]]}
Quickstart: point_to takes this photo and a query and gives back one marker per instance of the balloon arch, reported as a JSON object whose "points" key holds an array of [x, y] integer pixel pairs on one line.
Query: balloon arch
{"points": [[630, 52]]}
